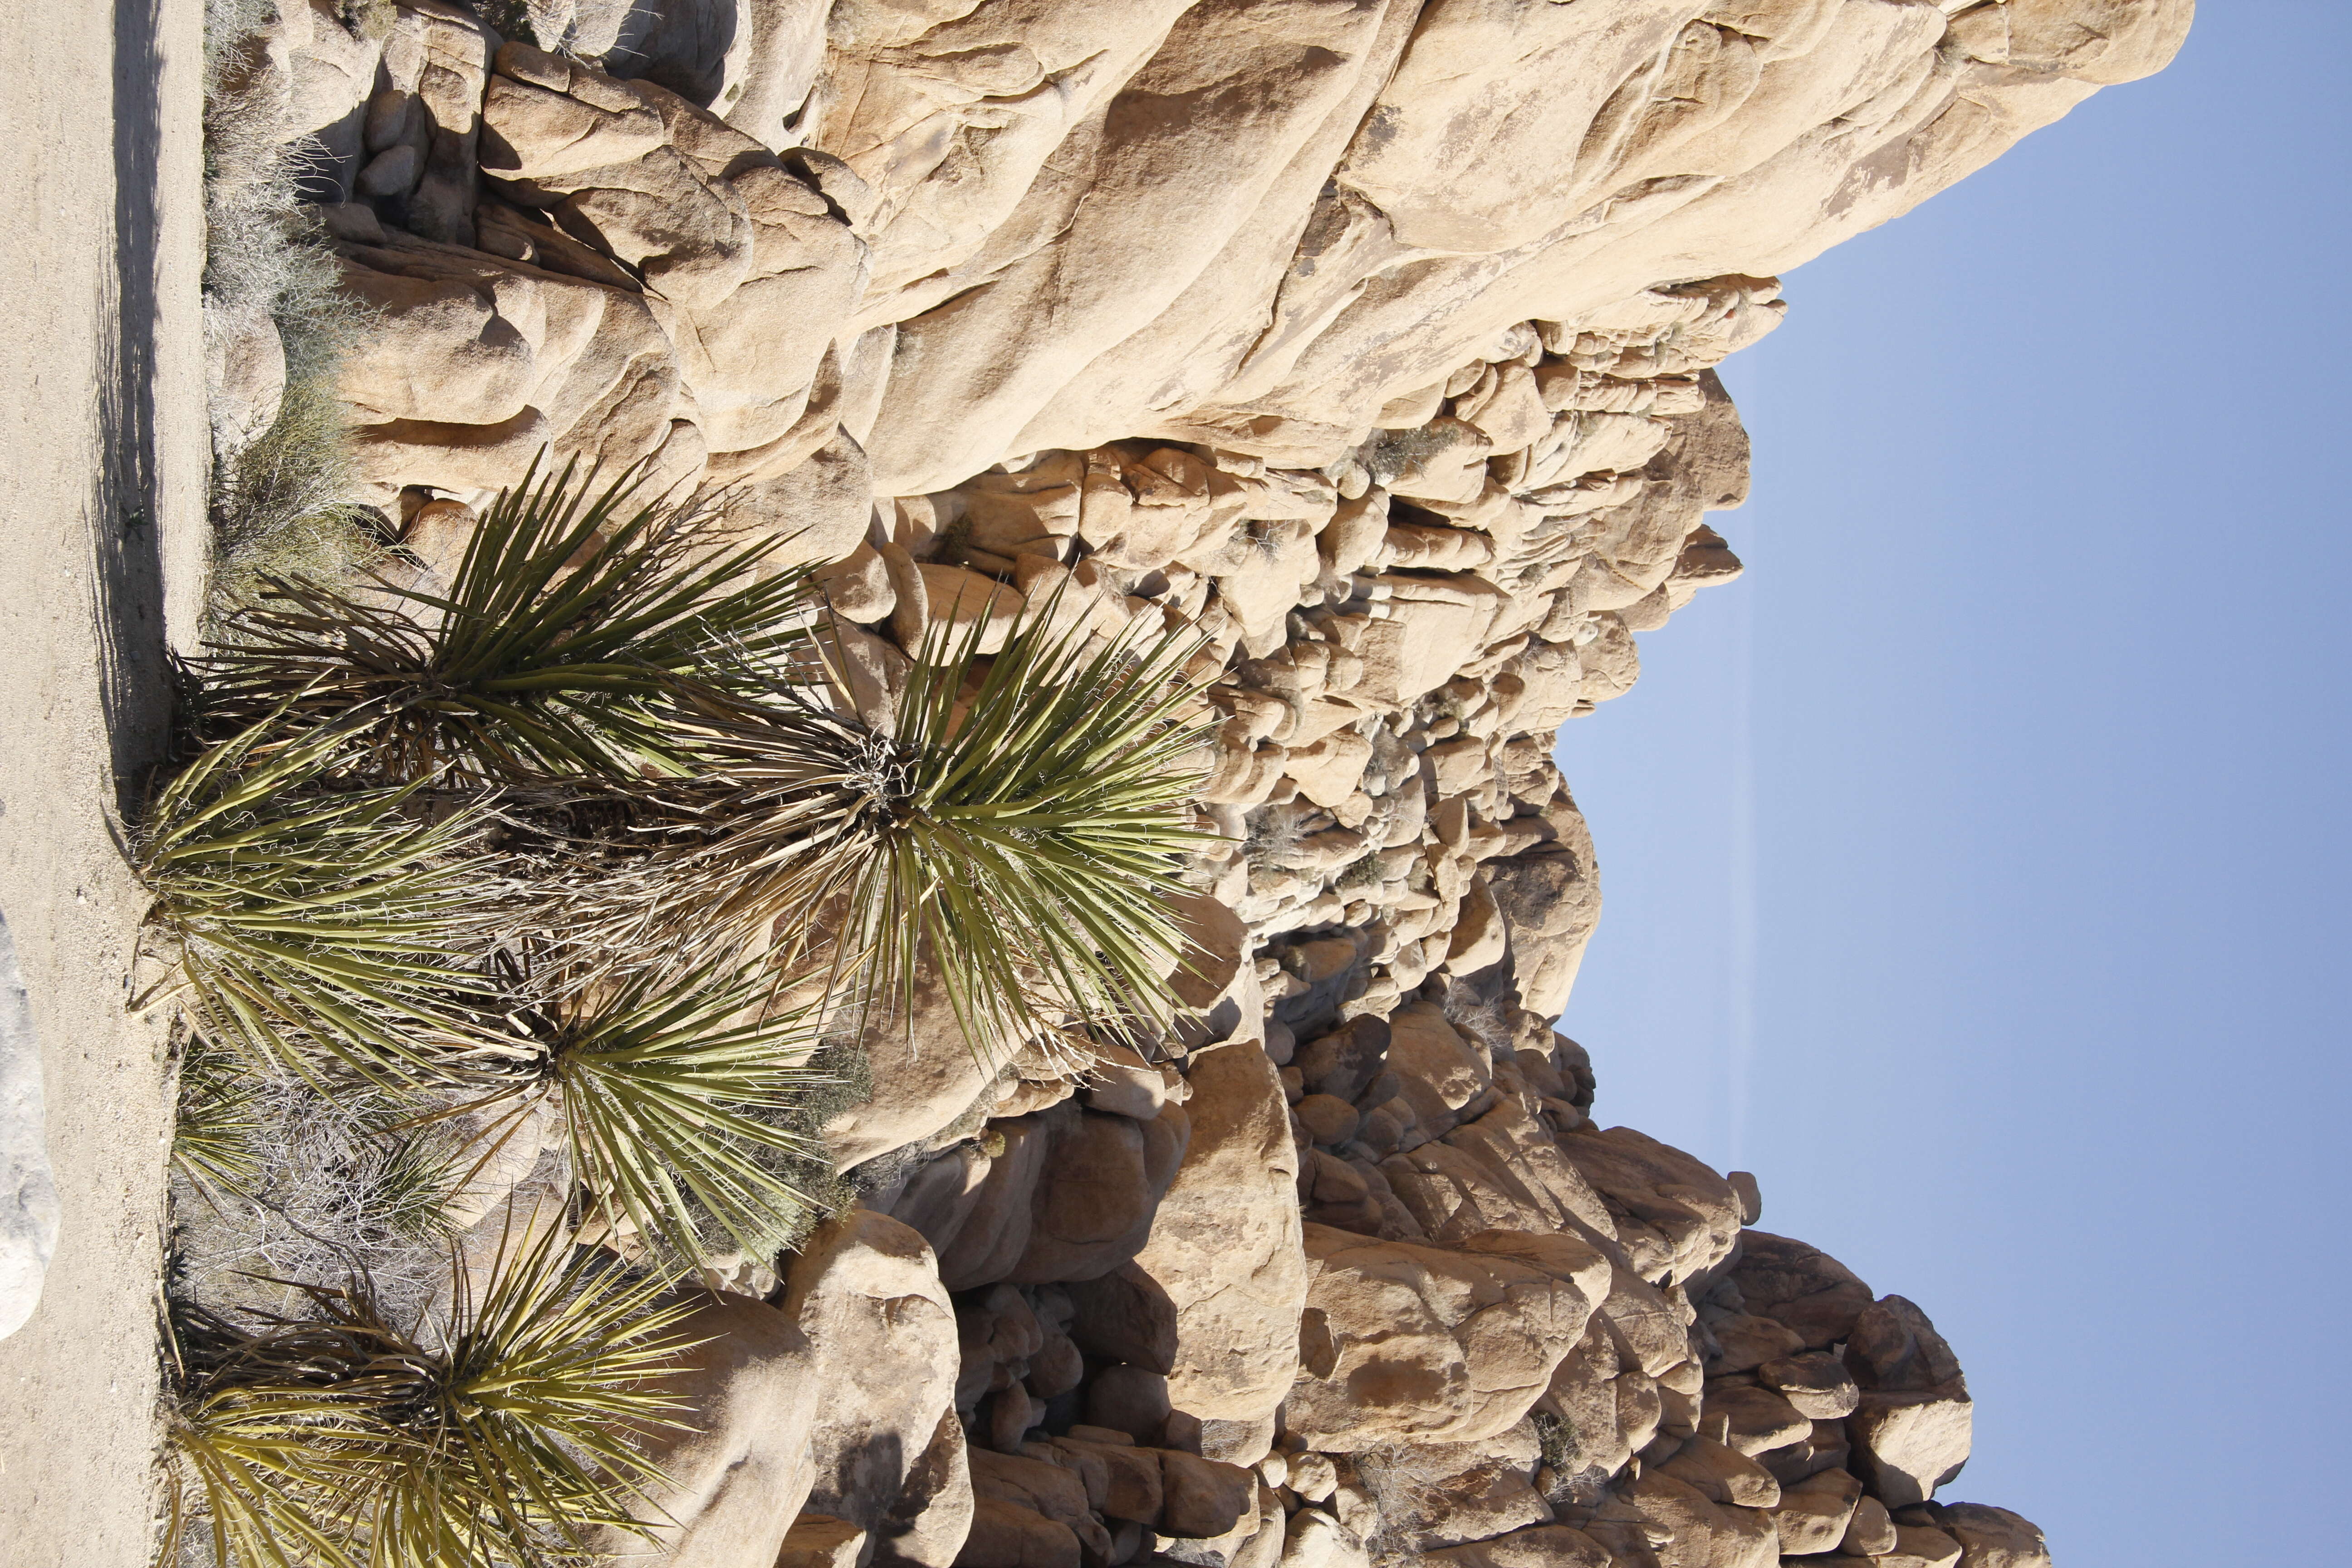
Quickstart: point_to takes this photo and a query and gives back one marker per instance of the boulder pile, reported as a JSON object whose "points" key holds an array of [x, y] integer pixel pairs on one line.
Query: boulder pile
{"points": [[1373, 340]]}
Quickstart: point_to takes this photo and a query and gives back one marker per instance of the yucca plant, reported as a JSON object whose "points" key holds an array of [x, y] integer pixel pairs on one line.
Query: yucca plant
{"points": [[1018, 835], [678, 1090], [573, 613], [217, 1133], [346, 1440], [310, 920]]}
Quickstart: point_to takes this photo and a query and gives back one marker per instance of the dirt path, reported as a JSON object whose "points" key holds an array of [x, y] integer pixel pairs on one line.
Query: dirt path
{"points": [[101, 386]]}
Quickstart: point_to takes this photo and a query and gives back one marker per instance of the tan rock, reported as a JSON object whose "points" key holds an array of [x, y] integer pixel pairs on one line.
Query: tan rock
{"points": [[1121, 1082], [924, 1074], [857, 586], [1753, 1420], [1535, 1546], [1480, 935], [1745, 1342], [1814, 1515], [1550, 899], [1224, 1241], [1401, 1341], [1442, 1073], [1446, 1494], [1908, 1444], [1919, 1546], [1316, 1540], [1800, 1285], [1870, 1532], [1096, 1191], [1202, 1498], [1817, 1384], [1007, 1535], [1671, 1212], [1047, 1490], [820, 1540], [1724, 1473], [961, 604], [865, 1292], [1327, 770], [1699, 1531], [1994, 1537], [1912, 1428], [738, 1477]]}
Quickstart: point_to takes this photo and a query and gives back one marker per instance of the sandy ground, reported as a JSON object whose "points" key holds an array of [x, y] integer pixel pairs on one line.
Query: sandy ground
{"points": [[101, 388]]}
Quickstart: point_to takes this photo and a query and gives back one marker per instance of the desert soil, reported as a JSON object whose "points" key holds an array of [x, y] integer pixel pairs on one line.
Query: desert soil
{"points": [[102, 381]]}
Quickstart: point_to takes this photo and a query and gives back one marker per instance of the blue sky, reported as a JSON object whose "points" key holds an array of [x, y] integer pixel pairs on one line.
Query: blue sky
{"points": [[1976, 867]]}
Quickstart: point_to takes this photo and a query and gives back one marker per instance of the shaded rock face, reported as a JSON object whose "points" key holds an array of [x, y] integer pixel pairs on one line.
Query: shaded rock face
{"points": [[1373, 338]]}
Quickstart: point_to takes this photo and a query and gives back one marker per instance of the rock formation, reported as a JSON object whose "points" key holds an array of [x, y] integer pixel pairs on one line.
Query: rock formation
{"points": [[1374, 339]]}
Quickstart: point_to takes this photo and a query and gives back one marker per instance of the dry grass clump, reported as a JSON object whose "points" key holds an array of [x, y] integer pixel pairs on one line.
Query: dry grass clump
{"points": [[281, 504], [280, 1179]]}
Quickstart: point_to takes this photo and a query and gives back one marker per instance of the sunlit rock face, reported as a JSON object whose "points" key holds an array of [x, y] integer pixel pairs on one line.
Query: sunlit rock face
{"points": [[1374, 339]]}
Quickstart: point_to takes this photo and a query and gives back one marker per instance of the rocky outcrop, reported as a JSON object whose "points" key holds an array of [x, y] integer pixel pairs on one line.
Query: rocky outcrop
{"points": [[1373, 340]]}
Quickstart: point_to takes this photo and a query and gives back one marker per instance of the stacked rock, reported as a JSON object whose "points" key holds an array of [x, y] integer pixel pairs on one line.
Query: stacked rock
{"points": [[1371, 341]]}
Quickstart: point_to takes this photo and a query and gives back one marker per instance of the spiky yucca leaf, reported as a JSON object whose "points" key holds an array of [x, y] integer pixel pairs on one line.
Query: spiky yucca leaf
{"points": [[310, 920], [216, 1134], [573, 613], [1019, 835], [345, 1439], [678, 1091]]}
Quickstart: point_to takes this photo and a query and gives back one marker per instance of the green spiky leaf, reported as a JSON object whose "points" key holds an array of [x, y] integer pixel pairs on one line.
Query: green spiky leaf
{"points": [[677, 1089], [344, 1439], [308, 919], [1019, 836], [573, 613]]}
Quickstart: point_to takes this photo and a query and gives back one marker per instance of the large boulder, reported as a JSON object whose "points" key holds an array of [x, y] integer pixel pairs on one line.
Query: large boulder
{"points": [[923, 1072], [1549, 899], [1401, 1342], [839, 1403], [1994, 1537], [1700, 1533], [1224, 1247], [1436, 1495], [1912, 1430], [736, 1478], [1070, 1194], [1672, 1215], [865, 1292], [1798, 1285]]}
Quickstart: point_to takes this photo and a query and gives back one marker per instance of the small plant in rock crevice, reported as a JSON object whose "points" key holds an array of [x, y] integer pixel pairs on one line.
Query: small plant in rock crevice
{"points": [[281, 497]]}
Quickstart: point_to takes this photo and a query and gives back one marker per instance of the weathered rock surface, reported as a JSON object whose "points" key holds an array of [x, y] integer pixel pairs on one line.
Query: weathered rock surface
{"points": [[28, 1197], [1373, 340]]}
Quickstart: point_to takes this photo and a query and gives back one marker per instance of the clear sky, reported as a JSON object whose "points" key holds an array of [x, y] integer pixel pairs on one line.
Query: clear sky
{"points": [[1976, 868]]}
